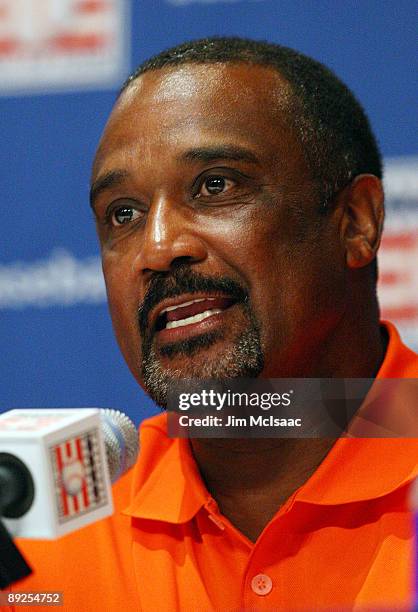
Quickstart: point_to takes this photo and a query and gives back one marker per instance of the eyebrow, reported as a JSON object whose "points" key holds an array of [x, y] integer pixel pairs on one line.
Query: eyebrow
{"points": [[114, 178], [213, 153]]}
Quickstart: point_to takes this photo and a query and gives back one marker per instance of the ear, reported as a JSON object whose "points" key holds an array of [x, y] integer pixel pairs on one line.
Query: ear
{"points": [[362, 220]]}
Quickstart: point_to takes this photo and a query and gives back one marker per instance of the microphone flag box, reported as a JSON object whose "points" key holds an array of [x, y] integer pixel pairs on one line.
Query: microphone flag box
{"points": [[64, 451]]}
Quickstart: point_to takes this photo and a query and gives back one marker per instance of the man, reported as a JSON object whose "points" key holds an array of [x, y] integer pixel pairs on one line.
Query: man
{"points": [[239, 206]]}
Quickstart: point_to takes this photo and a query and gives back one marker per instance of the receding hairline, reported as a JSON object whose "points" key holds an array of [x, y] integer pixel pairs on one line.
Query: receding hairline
{"points": [[284, 82], [236, 50]]}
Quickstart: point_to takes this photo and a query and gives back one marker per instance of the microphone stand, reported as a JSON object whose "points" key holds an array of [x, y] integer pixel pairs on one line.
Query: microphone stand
{"points": [[13, 565], [16, 497]]}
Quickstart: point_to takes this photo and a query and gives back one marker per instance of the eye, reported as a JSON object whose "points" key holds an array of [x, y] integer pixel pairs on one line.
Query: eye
{"points": [[123, 214], [213, 185]]}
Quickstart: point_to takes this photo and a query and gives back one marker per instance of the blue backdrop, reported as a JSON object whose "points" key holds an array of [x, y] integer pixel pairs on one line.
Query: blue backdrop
{"points": [[58, 348]]}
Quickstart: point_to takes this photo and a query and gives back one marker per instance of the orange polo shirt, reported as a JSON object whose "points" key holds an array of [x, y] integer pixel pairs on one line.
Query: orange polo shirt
{"points": [[342, 541]]}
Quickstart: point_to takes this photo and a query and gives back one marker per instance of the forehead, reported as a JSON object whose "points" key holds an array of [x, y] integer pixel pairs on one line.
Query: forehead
{"points": [[167, 108]]}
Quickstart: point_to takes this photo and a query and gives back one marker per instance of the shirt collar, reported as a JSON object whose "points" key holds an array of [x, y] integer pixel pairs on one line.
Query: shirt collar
{"points": [[172, 490], [167, 485]]}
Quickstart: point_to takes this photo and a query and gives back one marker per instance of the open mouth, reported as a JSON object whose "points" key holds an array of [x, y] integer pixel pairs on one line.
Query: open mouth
{"points": [[191, 312]]}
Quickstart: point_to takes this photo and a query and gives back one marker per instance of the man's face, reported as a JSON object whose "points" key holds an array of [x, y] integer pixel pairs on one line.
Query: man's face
{"points": [[216, 260]]}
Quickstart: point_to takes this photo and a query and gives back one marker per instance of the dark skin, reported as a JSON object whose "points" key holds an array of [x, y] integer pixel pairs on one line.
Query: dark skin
{"points": [[171, 134]]}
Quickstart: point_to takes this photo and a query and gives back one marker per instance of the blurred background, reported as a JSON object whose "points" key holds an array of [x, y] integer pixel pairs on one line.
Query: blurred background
{"points": [[61, 64]]}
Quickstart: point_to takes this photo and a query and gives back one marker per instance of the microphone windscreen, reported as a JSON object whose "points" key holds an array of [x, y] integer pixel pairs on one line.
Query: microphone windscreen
{"points": [[121, 441]]}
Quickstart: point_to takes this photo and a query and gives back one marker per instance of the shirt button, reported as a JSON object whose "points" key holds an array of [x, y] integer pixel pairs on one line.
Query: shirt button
{"points": [[261, 584]]}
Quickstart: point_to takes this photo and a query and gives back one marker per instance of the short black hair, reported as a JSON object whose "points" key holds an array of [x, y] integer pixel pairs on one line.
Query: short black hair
{"points": [[333, 128]]}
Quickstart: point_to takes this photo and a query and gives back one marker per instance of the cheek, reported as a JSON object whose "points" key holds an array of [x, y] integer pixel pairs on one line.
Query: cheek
{"points": [[123, 301], [296, 278]]}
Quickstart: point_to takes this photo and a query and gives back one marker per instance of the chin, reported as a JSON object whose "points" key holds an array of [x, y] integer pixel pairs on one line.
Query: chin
{"points": [[203, 359]]}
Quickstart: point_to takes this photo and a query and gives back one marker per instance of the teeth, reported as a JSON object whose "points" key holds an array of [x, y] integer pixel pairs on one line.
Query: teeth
{"points": [[195, 319], [184, 304]]}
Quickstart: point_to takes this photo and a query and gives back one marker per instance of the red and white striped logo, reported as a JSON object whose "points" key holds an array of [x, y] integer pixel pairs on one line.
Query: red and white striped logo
{"points": [[78, 474]]}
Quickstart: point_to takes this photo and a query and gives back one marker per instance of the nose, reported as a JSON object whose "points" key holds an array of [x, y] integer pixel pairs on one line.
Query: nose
{"points": [[169, 238]]}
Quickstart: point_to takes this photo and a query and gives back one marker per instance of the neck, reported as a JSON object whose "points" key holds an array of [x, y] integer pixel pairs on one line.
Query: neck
{"points": [[261, 475], [354, 351], [356, 346], [250, 479], [352, 345]]}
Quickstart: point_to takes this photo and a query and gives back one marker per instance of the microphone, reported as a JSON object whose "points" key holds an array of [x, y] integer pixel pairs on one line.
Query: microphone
{"points": [[57, 465], [121, 442]]}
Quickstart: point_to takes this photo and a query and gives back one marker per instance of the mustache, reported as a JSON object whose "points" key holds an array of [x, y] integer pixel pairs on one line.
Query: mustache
{"points": [[181, 280]]}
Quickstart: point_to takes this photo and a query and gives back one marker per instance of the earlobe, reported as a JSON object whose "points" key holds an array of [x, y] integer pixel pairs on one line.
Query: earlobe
{"points": [[362, 221]]}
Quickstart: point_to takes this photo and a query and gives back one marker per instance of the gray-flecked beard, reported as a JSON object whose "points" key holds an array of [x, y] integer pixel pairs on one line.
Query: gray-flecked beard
{"points": [[243, 360]]}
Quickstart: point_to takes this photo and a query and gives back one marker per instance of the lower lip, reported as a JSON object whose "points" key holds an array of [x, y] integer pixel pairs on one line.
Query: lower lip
{"points": [[184, 332]]}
